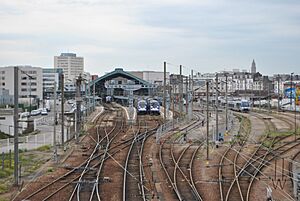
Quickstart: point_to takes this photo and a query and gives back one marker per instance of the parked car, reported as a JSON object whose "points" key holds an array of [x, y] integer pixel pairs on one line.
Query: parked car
{"points": [[44, 112], [24, 115], [35, 112]]}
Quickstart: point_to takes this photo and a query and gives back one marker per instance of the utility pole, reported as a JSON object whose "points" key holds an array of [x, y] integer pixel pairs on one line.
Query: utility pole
{"points": [[190, 98], [170, 96], [207, 120], [278, 105], [62, 111], [291, 92], [173, 101], [226, 99], [217, 107], [54, 126], [86, 99], [180, 91], [94, 94], [165, 95], [260, 95], [269, 98], [78, 107], [186, 97], [192, 91], [16, 126], [295, 115]]}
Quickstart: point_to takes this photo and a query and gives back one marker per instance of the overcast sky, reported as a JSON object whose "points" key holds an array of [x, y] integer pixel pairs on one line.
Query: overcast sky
{"points": [[204, 35]]}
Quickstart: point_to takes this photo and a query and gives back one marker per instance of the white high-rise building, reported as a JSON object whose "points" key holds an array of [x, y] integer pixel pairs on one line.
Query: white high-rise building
{"points": [[71, 64]]}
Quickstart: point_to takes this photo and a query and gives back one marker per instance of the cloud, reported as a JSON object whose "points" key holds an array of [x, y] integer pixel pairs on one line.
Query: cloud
{"points": [[209, 34]]}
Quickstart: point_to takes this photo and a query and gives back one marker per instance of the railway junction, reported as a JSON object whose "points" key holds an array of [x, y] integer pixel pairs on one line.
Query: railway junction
{"points": [[118, 160]]}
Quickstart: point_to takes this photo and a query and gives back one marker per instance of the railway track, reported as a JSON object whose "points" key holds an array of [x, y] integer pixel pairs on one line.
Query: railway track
{"points": [[246, 174], [184, 172], [228, 165], [57, 185], [124, 159], [133, 187], [179, 176]]}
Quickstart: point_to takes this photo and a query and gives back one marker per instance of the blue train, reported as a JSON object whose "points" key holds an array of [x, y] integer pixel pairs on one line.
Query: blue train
{"points": [[149, 106]]}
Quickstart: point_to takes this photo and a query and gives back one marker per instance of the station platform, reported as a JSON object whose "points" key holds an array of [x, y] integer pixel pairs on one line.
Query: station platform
{"points": [[131, 116], [169, 115]]}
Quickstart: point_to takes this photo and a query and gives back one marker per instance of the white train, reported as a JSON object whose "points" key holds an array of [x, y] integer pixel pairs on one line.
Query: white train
{"points": [[239, 105]]}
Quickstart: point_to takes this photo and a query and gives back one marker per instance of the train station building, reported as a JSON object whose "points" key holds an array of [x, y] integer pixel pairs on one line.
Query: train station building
{"points": [[121, 85]]}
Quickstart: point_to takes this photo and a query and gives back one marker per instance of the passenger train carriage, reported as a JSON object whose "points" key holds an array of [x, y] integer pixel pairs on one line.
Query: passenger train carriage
{"points": [[142, 107], [154, 107], [239, 105], [148, 106]]}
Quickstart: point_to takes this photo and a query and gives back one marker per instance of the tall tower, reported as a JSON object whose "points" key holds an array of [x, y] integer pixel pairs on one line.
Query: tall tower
{"points": [[253, 67]]}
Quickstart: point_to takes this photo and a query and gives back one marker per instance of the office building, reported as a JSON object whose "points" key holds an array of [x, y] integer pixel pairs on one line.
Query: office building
{"points": [[51, 76], [30, 81], [71, 64]]}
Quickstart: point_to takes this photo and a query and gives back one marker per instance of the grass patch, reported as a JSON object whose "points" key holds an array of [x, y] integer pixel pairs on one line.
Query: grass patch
{"points": [[50, 169], [29, 162], [268, 143], [44, 148], [278, 134], [177, 135], [3, 188]]}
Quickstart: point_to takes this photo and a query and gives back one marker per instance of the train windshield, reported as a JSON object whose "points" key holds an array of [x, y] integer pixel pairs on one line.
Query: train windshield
{"points": [[142, 104], [154, 104], [245, 104]]}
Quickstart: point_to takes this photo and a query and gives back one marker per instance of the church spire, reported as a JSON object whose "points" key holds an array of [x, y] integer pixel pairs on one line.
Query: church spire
{"points": [[253, 67]]}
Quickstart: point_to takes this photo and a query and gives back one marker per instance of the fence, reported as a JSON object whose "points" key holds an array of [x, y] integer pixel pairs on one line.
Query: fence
{"points": [[35, 141], [27, 142], [169, 125]]}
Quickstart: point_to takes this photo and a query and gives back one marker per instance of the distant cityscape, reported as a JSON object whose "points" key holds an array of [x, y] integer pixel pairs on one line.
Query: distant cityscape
{"points": [[38, 83]]}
